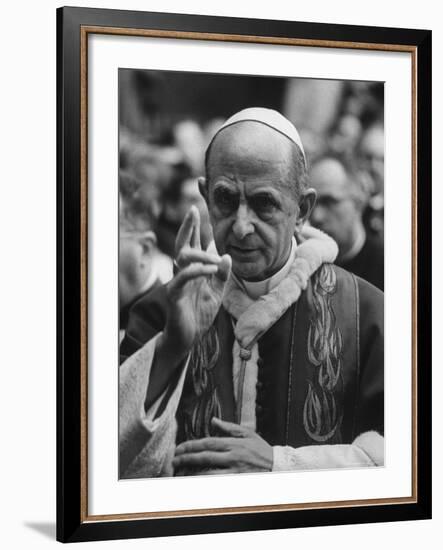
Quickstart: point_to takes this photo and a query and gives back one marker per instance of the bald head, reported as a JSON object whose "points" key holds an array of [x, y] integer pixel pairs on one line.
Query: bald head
{"points": [[335, 178], [340, 201], [255, 176], [328, 174], [254, 145]]}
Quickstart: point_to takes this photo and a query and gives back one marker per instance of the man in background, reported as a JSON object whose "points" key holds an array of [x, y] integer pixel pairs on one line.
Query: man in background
{"points": [[371, 153], [142, 268], [339, 213], [371, 160]]}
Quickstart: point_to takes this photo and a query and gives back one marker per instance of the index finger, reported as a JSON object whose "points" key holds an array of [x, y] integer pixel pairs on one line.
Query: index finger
{"points": [[195, 239], [185, 232]]}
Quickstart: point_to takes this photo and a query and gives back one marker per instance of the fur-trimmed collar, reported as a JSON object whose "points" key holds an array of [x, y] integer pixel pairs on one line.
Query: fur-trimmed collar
{"points": [[255, 317]]}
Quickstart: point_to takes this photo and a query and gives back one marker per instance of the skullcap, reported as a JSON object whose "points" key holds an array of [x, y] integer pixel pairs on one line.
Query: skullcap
{"points": [[268, 117]]}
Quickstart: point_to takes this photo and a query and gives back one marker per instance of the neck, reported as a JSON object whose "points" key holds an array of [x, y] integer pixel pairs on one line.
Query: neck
{"points": [[274, 271], [255, 289]]}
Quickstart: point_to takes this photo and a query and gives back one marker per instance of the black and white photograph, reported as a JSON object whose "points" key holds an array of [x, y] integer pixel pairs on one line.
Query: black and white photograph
{"points": [[251, 274], [220, 229], [243, 214]]}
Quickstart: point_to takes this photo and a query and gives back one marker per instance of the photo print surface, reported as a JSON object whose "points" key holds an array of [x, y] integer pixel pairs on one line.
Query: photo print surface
{"points": [[251, 274]]}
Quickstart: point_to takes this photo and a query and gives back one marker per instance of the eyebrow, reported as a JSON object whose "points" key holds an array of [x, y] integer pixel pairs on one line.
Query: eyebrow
{"points": [[231, 187], [266, 192]]}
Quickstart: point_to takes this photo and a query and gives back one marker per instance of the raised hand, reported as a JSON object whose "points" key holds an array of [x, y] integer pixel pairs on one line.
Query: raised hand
{"points": [[194, 297], [195, 293]]}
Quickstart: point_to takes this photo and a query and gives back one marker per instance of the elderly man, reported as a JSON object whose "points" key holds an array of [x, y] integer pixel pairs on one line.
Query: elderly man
{"points": [[339, 213], [259, 355]]}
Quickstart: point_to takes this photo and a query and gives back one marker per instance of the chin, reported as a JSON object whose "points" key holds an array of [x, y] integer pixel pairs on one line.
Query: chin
{"points": [[247, 271]]}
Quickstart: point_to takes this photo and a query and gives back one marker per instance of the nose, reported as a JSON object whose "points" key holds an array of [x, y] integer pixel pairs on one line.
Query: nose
{"points": [[243, 225]]}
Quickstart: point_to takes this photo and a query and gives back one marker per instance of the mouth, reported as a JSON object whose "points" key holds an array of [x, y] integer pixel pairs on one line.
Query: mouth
{"points": [[242, 251]]}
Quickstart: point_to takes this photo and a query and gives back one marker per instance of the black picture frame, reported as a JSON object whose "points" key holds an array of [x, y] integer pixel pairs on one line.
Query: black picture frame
{"points": [[73, 524]]}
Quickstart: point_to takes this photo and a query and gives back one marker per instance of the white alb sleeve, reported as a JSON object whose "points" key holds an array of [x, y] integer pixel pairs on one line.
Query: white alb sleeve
{"points": [[366, 450], [146, 443]]}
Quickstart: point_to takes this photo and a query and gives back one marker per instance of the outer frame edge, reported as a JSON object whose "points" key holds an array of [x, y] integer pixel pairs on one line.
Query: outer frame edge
{"points": [[107, 530]]}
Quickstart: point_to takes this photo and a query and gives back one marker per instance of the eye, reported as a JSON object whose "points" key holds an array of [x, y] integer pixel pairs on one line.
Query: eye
{"points": [[225, 200], [263, 204], [327, 201]]}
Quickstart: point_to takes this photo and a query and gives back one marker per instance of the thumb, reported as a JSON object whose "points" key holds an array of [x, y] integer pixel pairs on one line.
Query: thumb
{"points": [[229, 428]]}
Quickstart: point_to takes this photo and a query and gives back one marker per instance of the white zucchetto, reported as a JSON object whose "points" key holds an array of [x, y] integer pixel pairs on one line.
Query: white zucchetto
{"points": [[268, 117]]}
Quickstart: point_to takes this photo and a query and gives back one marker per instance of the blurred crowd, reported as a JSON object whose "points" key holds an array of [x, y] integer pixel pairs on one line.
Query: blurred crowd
{"points": [[161, 159]]}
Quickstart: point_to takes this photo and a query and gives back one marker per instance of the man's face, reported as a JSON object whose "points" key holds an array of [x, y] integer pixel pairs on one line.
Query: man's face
{"points": [[251, 198], [372, 154], [336, 211], [134, 262]]}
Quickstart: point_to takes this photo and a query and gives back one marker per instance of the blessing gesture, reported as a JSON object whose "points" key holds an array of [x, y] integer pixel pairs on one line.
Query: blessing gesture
{"points": [[195, 293], [194, 297]]}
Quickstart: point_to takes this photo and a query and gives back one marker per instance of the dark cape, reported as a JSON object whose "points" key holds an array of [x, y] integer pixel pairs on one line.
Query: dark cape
{"points": [[125, 310], [320, 367], [369, 262]]}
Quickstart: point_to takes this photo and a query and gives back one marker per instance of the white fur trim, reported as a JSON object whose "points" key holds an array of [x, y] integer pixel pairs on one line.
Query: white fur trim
{"points": [[254, 318]]}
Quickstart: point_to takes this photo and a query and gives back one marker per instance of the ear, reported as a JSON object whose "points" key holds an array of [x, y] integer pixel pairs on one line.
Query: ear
{"points": [[203, 188], [147, 241], [306, 205]]}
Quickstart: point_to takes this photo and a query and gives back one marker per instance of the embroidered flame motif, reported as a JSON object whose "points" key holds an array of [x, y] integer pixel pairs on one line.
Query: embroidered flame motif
{"points": [[206, 403], [325, 344]]}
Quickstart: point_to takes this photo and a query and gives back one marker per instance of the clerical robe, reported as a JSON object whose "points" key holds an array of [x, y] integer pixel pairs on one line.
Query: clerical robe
{"points": [[312, 383]]}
